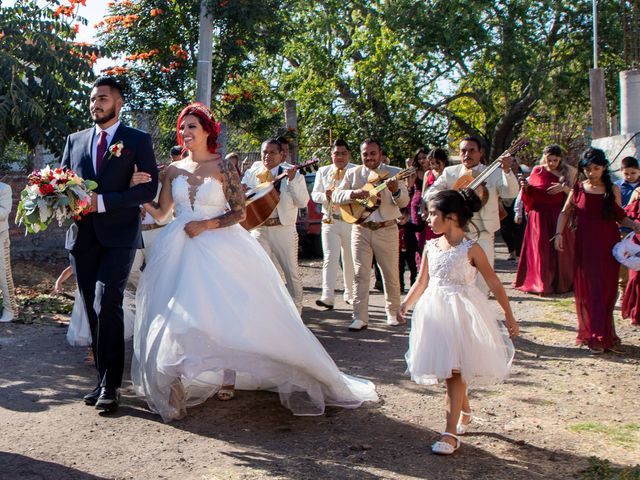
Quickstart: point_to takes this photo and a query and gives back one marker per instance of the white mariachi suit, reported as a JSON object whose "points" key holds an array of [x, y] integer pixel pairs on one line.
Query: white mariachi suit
{"points": [[336, 236], [280, 241], [487, 220], [377, 236], [10, 309]]}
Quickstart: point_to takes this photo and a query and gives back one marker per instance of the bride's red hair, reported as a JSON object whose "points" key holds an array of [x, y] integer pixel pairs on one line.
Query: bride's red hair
{"points": [[205, 118]]}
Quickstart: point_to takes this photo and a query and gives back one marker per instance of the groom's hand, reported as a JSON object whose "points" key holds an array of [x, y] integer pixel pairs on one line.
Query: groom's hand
{"points": [[94, 202]]}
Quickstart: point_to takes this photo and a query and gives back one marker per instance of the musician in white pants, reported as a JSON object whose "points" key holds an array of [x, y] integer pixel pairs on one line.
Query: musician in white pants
{"points": [[336, 233], [10, 306], [377, 235], [501, 183], [278, 234]]}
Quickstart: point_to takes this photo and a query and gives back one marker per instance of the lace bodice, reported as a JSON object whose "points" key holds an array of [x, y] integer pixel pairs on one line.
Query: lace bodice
{"points": [[199, 202], [450, 268]]}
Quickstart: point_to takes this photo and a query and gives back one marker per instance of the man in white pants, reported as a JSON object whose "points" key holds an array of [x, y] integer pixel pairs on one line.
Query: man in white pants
{"points": [[10, 307], [377, 234], [501, 184], [278, 234], [336, 233]]}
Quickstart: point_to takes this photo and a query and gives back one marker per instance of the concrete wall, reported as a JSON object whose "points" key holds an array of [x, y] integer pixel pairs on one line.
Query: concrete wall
{"points": [[613, 146], [39, 246]]}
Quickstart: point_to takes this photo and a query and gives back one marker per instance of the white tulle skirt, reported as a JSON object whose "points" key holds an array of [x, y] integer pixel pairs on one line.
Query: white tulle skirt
{"points": [[455, 328], [216, 302], [79, 332]]}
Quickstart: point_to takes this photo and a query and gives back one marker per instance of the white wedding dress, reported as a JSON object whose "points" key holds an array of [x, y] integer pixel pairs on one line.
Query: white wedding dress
{"points": [[217, 302]]}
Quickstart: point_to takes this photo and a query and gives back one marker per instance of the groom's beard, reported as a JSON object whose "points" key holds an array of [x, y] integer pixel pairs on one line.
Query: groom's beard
{"points": [[105, 117]]}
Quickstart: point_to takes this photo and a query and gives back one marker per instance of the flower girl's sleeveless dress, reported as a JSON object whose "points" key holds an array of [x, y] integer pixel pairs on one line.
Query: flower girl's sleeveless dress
{"points": [[454, 327], [217, 302]]}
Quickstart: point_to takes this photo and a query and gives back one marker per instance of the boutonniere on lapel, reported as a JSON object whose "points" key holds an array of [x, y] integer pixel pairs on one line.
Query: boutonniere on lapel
{"points": [[116, 149]]}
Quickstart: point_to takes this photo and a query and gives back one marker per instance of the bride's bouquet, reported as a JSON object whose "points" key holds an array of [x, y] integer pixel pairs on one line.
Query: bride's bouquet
{"points": [[53, 193]]}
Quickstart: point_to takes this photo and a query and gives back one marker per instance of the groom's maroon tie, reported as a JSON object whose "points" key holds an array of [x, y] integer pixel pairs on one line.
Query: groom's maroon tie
{"points": [[102, 149]]}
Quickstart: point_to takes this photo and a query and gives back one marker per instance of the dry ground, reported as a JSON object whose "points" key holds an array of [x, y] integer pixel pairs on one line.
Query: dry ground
{"points": [[560, 407]]}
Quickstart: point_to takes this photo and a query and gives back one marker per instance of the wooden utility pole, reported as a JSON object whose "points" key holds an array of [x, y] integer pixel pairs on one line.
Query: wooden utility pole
{"points": [[205, 52], [203, 71], [291, 121], [596, 86]]}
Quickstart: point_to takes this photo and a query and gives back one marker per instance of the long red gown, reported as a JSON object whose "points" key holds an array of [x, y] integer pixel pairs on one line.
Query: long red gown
{"points": [[542, 269], [596, 270], [631, 299]]}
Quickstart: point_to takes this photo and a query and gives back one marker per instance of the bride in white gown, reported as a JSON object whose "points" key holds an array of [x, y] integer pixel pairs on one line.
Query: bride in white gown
{"points": [[210, 302]]}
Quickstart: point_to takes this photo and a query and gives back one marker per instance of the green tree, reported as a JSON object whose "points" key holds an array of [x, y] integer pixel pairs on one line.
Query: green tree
{"points": [[43, 74], [506, 60], [155, 46]]}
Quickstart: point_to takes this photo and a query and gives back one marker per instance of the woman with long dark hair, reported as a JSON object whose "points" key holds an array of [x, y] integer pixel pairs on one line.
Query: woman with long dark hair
{"points": [[594, 205]]}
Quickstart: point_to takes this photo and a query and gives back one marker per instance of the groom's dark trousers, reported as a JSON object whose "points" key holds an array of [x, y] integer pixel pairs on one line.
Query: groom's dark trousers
{"points": [[102, 245]]}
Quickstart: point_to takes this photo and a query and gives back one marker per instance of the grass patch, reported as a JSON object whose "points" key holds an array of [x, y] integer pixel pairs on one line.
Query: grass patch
{"points": [[603, 470], [567, 305], [625, 434]]}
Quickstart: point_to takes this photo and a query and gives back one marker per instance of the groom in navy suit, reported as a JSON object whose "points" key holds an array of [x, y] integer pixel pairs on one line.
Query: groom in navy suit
{"points": [[103, 243]]}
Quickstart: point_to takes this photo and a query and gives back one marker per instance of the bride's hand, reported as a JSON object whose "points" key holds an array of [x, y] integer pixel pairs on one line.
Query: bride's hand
{"points": [[138, 177], [195, 228]]}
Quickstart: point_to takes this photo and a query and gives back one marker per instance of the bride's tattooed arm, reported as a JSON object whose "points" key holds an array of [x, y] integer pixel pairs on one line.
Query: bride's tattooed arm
{"points": [[235, 196]]}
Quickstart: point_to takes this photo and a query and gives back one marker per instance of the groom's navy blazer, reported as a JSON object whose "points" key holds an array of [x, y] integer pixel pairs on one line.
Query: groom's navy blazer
{"points": [[119, 225]]}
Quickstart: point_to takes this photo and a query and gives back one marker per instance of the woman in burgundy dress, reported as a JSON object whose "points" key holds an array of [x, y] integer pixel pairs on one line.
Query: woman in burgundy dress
{"points": [[542, 269], [631, 299], [420, 162], [595, 205], [438, 159]]}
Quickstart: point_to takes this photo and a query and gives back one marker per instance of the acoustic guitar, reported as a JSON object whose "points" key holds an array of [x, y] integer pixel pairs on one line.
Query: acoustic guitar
{"points": [[262, 200], [360, 209], [476, 184]]}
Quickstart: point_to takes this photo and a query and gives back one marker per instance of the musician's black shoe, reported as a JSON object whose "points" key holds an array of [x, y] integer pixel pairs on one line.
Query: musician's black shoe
{"points": [[320, 303]]}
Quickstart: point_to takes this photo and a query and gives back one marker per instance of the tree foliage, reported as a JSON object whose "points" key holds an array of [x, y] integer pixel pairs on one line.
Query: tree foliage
{"points": [[154, 45], [43, 73], [408, 72]]}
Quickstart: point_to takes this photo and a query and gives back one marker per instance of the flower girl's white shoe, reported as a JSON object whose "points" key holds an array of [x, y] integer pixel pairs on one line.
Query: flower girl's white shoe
{"points": [[444, 448]]}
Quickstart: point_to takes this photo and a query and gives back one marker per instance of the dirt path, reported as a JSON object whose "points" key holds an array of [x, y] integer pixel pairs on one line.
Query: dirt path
{"points": [[560, 406]]}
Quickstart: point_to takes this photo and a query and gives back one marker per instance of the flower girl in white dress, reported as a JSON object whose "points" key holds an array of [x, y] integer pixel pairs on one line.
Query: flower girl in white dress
{"points": [[455, 335], [212, 311]]}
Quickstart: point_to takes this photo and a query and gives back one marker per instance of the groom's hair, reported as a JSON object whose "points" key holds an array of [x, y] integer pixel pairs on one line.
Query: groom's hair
{"points": [[111, 82]]}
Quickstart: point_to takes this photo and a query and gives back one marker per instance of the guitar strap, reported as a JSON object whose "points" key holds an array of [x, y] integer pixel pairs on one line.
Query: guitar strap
{"points": [[278, 184]]}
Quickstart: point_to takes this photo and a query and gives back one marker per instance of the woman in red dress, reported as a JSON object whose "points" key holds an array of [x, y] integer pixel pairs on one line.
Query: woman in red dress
{"points": [[542, 269], [438, 159], [631, 299], [423, 174], [595, 204]]}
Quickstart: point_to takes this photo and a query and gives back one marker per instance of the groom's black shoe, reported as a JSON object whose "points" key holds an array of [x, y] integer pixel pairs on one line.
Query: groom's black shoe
{"points": [[91, 398], [108, 400]]}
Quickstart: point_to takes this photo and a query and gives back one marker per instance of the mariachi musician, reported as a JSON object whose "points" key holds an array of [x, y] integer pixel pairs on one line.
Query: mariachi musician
{"points": [[336, 233], [377, 234], [502, 183], [278, 235]]}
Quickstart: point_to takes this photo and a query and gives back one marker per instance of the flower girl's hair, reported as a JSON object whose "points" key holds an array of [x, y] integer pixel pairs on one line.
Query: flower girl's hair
{"points": [[463, 203]]}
